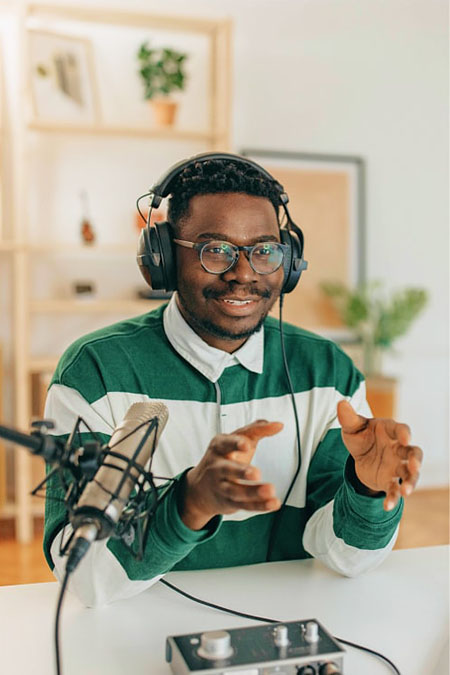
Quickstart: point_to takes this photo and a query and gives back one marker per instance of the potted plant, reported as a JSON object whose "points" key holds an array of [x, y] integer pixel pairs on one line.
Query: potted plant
{"points": [[377, 320], [162, 72]]}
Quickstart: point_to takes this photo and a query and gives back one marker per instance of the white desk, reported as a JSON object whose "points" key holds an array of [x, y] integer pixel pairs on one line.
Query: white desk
{"points": [[400, 609]]}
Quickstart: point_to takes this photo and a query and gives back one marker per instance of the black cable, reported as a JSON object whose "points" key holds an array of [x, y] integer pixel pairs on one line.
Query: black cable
{"points": [[58, 612], [371, 651], [266, 620], [277, 518], [147, 194], [219, 607]]}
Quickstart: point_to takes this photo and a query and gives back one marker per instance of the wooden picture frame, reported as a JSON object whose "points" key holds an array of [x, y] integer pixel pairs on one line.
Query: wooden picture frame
{"points": [[62, 80], [327, 201]]}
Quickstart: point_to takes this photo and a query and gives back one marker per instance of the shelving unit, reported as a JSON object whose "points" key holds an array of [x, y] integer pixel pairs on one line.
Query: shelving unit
{"points": [[26, 307]]}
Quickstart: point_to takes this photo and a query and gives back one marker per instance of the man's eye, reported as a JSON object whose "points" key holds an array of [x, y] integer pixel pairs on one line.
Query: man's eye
{"points": [[262, 251], [219, 249]]}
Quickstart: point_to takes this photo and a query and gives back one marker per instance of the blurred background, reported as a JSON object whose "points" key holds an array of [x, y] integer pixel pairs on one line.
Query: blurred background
{"points": [[344, 101]]}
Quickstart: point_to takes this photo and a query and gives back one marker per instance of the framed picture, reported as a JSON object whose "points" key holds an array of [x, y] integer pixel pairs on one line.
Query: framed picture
{"points": [[61, 78], [327, 201]]}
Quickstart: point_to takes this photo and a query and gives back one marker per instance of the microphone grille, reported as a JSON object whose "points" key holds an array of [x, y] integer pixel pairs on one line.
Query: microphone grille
{"points": [[145, 410]]}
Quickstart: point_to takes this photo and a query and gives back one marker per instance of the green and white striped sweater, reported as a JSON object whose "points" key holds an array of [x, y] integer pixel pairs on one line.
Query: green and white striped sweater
{"points": [[157, 356]]}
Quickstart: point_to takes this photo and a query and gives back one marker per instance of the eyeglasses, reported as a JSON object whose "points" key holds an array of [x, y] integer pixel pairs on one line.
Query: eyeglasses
{"points": [[217, 257]]}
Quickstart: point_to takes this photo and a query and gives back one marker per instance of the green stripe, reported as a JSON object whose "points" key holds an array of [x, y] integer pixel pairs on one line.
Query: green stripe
{"points": [[134, 356], [361, 521], [325, 473]]}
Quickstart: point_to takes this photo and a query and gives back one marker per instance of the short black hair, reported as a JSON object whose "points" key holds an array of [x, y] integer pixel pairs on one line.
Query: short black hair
{"points": [[214, 176]]}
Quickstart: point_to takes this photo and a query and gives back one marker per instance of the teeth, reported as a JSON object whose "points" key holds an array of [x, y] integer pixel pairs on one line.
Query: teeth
{"points": [[237, 302]]}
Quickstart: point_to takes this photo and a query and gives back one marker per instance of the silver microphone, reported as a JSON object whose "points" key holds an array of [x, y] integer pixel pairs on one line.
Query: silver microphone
{"points": [[105, 497]]}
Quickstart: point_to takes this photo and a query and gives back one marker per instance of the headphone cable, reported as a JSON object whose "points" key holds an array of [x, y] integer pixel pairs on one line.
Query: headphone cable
{"points": [[277, 517]]}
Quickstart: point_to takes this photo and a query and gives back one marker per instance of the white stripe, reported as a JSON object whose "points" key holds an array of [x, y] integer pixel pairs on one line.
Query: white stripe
{"points": [[321, 542], [192, 424], [99, 578]]}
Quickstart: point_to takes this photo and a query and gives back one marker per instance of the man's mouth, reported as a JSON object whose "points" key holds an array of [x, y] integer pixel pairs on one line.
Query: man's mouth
{"points": [[231, 301], [234, 295]]}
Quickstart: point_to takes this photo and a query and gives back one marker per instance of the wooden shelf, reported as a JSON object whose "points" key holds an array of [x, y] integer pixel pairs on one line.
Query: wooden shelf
{"points": [[93, 306], [124, 131], [6, 246], [79, 249], [215, 135], [9, 509], [42, 364], [121, 18]]}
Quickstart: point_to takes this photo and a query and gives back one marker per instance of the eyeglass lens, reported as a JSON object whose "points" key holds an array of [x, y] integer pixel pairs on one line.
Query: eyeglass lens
{"points": [[219, 256]]}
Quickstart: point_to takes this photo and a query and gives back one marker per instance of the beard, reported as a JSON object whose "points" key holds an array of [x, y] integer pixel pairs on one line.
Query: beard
{"points": [[205, 325]]}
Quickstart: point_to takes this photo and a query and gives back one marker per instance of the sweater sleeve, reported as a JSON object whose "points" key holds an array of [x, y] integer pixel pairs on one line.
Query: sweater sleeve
{"points": [[109, 571], [349, 532]]}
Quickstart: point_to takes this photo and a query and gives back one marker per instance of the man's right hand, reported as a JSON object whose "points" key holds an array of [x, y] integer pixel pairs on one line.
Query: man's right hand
{"points": [[222, 481]]}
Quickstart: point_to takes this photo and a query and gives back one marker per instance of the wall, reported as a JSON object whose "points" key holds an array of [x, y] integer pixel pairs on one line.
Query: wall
{"points": [[367, 78]]}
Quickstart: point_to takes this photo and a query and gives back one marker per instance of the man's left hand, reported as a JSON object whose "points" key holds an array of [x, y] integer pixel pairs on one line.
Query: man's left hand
{"points": [[384, 459]]}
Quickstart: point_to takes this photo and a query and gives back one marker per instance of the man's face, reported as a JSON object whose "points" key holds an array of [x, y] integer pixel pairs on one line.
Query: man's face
{"points": [[224, 309]]}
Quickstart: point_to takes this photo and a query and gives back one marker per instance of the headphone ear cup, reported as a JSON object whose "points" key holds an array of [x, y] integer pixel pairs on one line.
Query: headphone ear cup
{"points": [[168, 260], [155, 257], [293, 263]]}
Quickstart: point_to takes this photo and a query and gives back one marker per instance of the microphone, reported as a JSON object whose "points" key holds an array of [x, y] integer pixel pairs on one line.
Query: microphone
{"points": [[103, 500]]}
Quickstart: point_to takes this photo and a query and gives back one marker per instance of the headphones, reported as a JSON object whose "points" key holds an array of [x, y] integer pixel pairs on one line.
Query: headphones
{"points": [[156, 251]]}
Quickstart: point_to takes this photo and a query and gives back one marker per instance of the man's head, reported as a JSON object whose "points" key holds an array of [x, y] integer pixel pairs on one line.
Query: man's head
{"points": [[222, 200]]}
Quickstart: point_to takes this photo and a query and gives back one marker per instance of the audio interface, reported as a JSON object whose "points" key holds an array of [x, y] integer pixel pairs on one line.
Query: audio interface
{"points": [[291, 648]]}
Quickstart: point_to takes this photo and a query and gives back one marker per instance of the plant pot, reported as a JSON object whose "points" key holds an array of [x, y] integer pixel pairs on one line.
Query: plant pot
{"points": [[382, 395], [164, 111]]}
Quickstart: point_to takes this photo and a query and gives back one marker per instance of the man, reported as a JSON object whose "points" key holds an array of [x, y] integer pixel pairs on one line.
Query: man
{"points": [[214, 358]]}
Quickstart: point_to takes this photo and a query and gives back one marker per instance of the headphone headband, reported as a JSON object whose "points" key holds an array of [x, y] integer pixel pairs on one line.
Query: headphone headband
{"points": [[161, 189]]}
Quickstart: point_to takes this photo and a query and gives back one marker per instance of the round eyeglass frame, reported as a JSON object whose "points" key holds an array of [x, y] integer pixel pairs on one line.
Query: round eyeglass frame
{"points": [[248, 250]]}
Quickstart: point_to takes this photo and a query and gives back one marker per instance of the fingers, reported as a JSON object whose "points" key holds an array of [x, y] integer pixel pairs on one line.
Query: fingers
{"points": [[408, 469], [396, 431], [350, 421], [392, 495], [243, 441], [236, 493], [407, 475], [239, 487], [236, 471], [402, 433], [260, 429]]}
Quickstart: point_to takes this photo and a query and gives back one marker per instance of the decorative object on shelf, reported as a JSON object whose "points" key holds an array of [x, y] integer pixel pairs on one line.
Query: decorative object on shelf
{"points": [[2, 447], [86, 230], [162, 72], [84, 289], [326, 198], [150, 294], [157, 216], [62, 82], [377, 321]]}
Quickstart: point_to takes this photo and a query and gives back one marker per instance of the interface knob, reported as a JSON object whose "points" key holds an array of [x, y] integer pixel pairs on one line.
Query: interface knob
{"points": [[329, 669], [215, 645], [312, 632], [281, 636]]}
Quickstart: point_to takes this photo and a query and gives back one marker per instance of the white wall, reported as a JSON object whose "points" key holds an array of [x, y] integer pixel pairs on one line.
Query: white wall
{"points": [[366, 78]]}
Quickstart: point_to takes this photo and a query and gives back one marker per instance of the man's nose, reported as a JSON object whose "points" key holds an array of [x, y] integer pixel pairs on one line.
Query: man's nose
{"points": [[241, 271]]}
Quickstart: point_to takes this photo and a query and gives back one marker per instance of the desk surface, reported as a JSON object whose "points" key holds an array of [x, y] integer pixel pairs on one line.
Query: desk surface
{"points": [[400, 609]]}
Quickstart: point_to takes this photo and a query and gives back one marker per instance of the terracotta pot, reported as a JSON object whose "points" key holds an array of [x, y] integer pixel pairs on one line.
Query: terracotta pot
{"points": [[164, 111], [382, 395]]}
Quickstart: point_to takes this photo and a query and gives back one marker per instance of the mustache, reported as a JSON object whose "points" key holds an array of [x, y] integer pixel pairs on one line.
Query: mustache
{"points": [[214, 293]]}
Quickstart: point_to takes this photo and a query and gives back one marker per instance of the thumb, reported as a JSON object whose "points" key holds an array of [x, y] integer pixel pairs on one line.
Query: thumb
{"points": [[349, 419], [254, 432], [259, 429]]}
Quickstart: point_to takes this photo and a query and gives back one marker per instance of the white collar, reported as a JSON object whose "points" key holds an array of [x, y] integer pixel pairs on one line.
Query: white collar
{"points": [[210, 361]]}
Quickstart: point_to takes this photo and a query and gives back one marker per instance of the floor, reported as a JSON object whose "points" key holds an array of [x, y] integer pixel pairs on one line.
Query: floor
{"points": [[425, 523]]}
